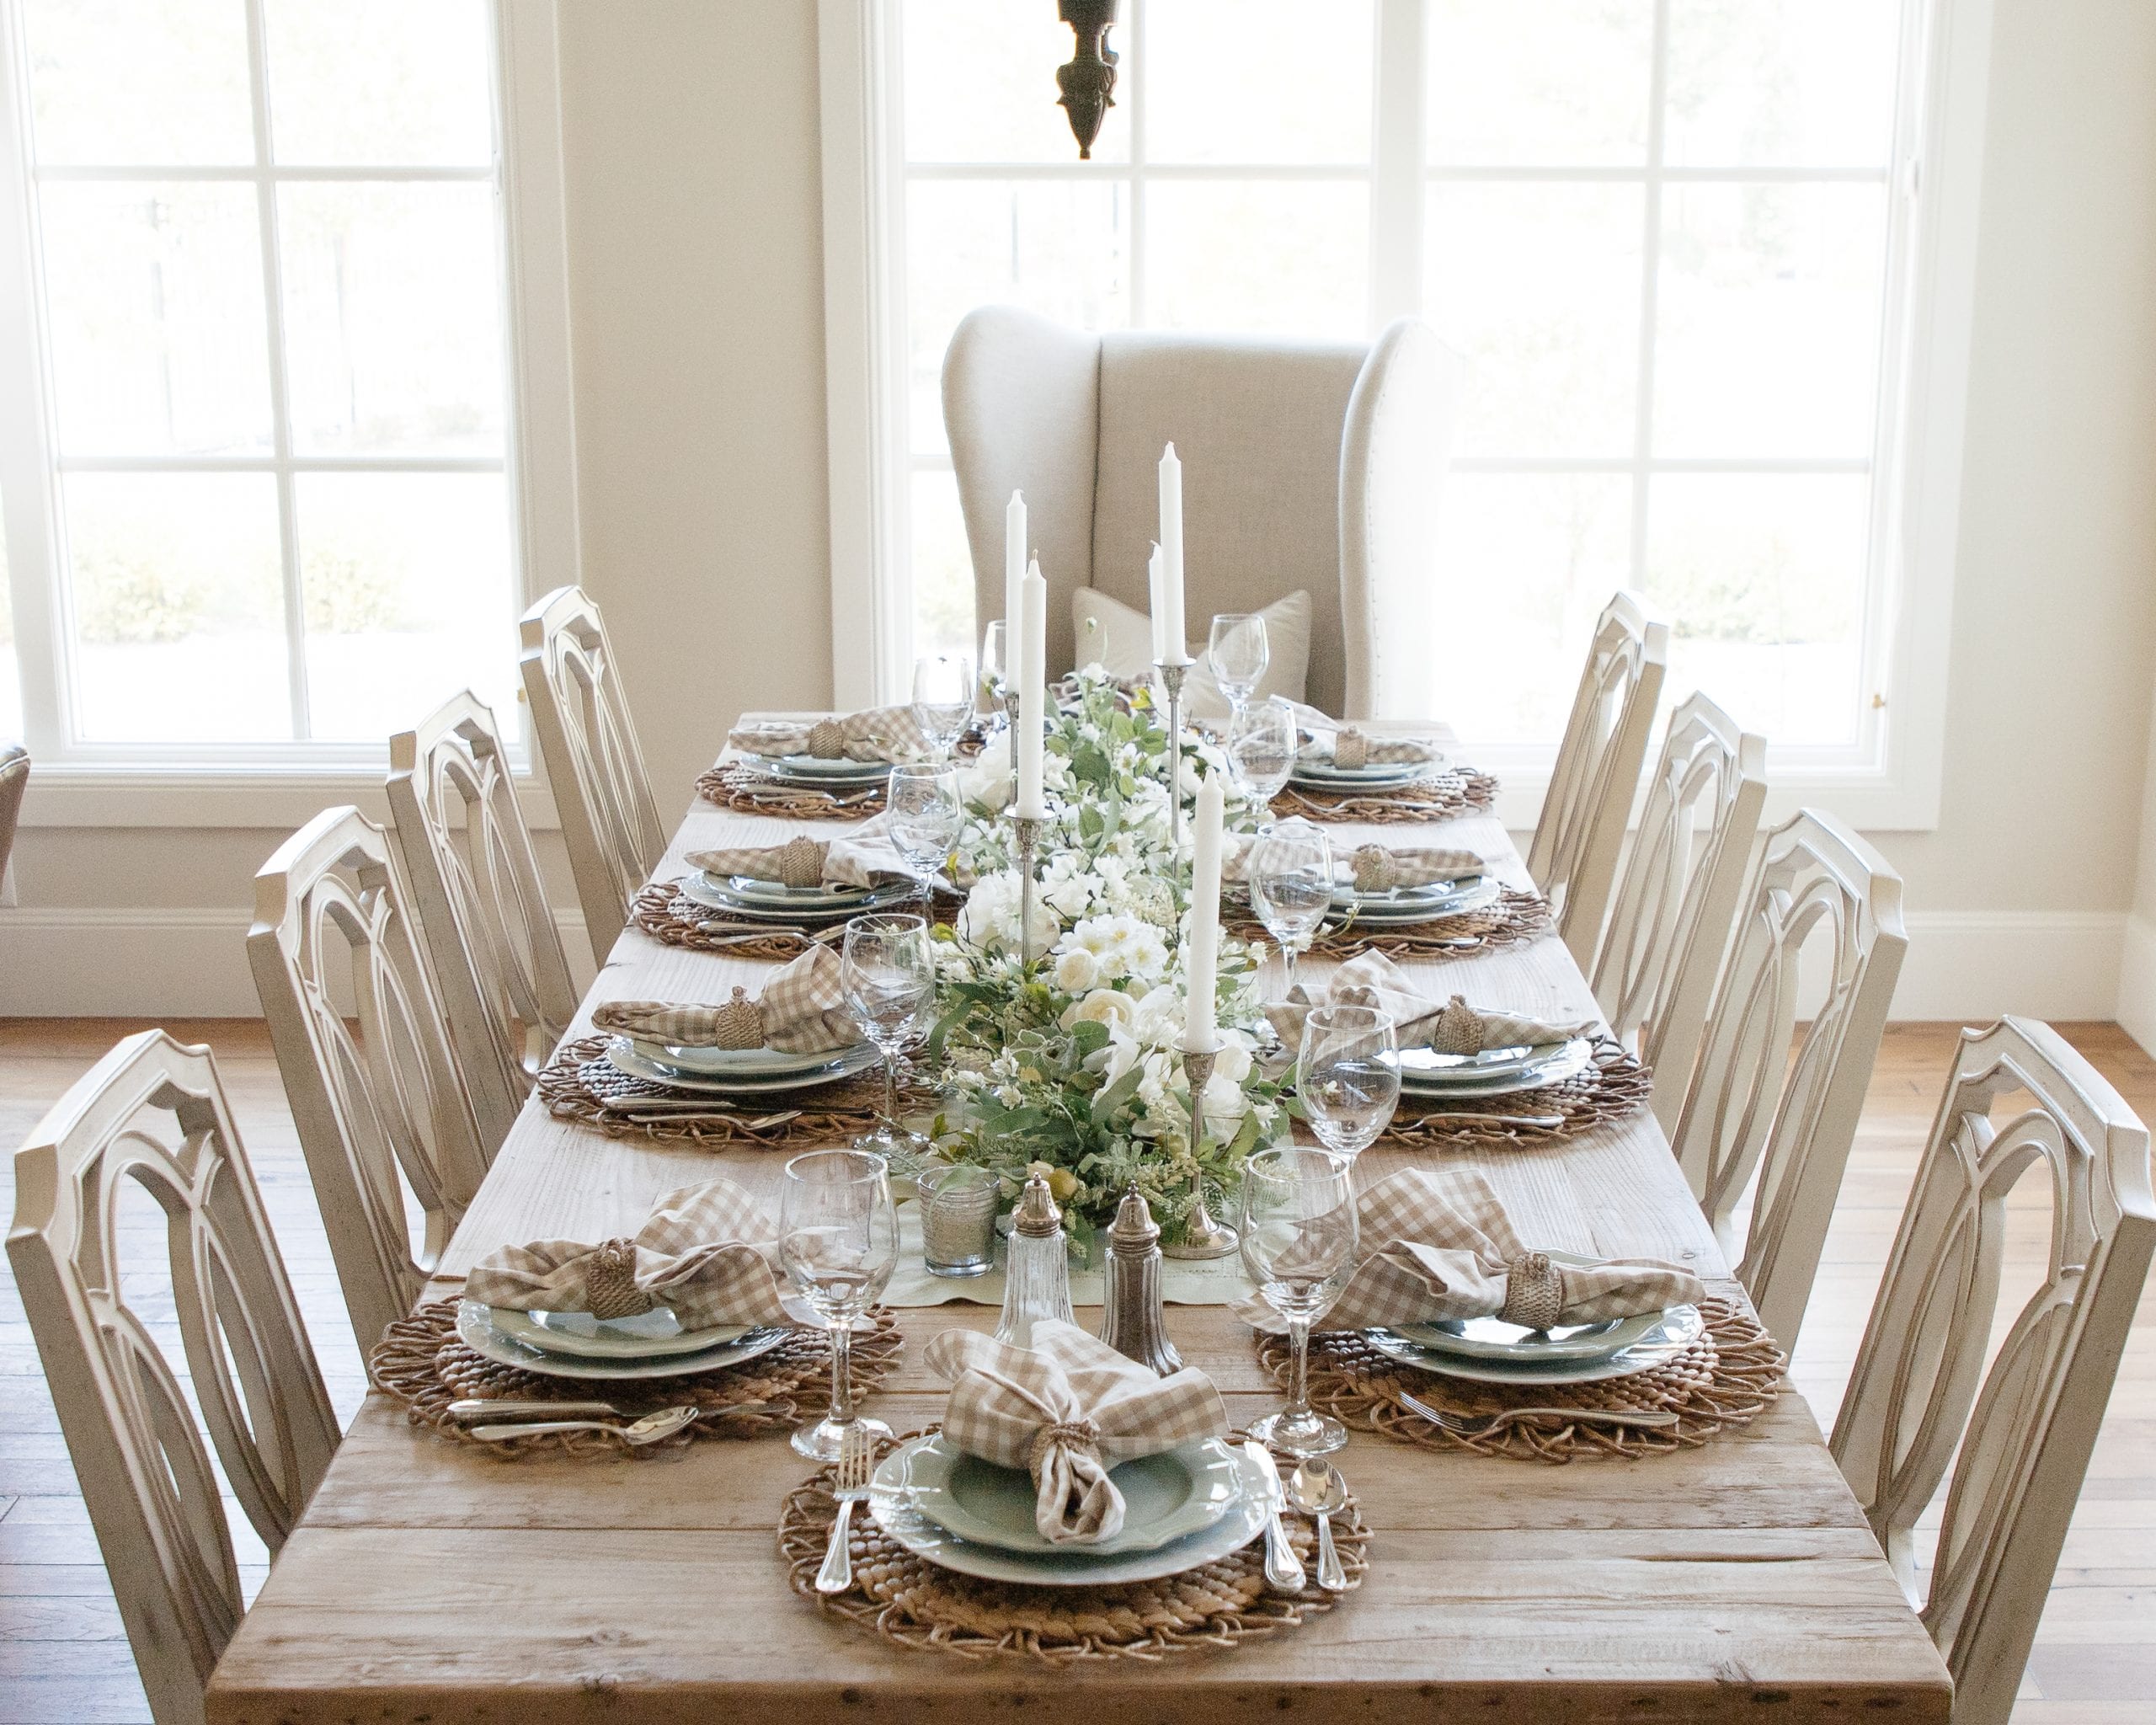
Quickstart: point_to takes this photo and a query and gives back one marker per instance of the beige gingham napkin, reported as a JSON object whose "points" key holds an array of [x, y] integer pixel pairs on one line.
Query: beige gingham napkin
{"points": [[1328, 742], [801, 1011], [705, 1254], [1452, 1028], [874, 733], [1068, 1410], [1439, 1244], [863, 858], [1376, 868]]}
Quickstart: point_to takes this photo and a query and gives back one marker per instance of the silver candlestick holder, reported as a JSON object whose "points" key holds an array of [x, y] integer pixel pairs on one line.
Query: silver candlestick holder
{"points": [[1010, 717], [1204, 1236], [1027, 828], [1171, 676]]}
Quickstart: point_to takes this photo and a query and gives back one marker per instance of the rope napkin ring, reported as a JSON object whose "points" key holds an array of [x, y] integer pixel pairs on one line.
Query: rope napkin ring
{"points": [[1351, 749], [1376, 869], [1535, 1291], [610, 1282], [826, 739], [1081, 1437], [801, 861], [1459, 1029]]}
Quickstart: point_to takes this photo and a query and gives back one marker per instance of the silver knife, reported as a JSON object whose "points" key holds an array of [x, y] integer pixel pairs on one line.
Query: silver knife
{"points": [[1284, 1569]]}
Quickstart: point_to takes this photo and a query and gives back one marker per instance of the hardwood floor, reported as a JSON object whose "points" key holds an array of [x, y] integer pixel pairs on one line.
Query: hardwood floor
{"points": [[64, 1660]]}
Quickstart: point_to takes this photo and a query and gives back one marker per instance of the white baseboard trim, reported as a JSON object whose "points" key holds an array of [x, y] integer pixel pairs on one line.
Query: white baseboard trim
{"points": [[1970, 966], [2137, 1002], [150, 962]]}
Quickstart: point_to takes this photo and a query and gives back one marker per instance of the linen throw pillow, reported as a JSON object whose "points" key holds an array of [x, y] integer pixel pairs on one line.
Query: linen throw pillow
{"points": [[1120, 641]]}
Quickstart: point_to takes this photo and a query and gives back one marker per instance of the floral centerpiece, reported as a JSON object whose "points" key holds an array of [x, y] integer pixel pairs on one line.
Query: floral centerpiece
{"points": [[1077, 1064]]}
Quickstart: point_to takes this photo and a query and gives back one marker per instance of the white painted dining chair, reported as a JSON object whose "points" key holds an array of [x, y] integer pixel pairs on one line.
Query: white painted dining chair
{"points": [[1574, 858], [594, 767], [379, 1112], [1311, 465], [152, 1115], [14, 782], [481, 905], [1678, 890], [1758, 1123], [2016, 1436]]}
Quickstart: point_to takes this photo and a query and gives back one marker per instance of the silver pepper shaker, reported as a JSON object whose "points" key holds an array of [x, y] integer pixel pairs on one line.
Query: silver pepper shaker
{"points": [[1133, 1320], [1037, 1268]]}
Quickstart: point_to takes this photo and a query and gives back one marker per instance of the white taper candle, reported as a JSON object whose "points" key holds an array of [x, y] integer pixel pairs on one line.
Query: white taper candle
{"points": [[1014, 572], [1155, 599], [1167, 609], [1033, 691], [1201, 1032]]}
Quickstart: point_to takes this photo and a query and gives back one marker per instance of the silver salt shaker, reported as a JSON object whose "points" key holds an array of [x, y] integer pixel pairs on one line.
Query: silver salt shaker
{"points": [[1132, 1319]]}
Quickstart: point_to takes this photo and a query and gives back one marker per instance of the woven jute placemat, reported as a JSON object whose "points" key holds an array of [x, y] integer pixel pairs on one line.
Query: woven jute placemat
{"points": [[1614, 1086], [1516, 916], [911, 1601], [732, 785], [421, 1361], [1443, 796], [579, 1083], [1721, 1383]]}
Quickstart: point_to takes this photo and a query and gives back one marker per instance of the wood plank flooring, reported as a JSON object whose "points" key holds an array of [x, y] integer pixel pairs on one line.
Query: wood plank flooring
{"points": [[64, 1660]]}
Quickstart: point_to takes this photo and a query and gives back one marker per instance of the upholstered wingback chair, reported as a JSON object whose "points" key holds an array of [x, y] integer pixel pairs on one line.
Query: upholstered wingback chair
{"points": [[1305, 465]]}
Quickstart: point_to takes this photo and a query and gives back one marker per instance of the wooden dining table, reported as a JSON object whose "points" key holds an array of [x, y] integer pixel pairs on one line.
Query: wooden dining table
{"points": [[430, 1580]]}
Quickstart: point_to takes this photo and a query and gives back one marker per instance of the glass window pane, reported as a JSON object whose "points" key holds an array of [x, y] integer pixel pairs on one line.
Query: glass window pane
{"points": [[943, 567], [1270, 81], [1540, 287], [119, 83], [980, 84], [1567, 83], [392, 312], [178, 608], [1768, 312], [154, 296], [1273, 257], [1763, 575], [381, 82], [1060, 247], [407, 585], [1806, 84], [1528, 559]]}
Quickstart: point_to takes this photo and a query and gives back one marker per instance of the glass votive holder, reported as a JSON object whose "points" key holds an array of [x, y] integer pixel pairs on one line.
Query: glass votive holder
{"points": [[957, 1220]]}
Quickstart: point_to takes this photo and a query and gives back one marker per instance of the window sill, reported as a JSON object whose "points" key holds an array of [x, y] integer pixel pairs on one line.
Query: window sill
{"points": [[262, 798]]}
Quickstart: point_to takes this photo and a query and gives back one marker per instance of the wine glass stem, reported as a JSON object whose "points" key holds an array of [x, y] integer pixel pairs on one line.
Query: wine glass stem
{"points": [[891, 1088], [1287, 952], [1299, 1377], [842, 1371]]}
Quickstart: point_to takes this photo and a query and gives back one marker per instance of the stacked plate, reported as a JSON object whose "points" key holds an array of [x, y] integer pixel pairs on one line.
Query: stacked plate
{"points": [[747, 899], [840, 775], [1187, 1506], [1377, 776], [1405, 905], [735, 1072], [1488, 1350], [575, 1344], [1433, 1079]]}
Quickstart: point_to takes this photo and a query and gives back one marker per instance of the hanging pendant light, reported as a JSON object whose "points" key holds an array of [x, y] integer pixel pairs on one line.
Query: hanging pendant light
{"points": [[1088, 80]]}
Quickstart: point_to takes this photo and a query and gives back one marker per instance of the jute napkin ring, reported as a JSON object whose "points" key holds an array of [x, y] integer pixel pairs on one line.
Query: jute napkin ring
{"points": [[610, 1282]]}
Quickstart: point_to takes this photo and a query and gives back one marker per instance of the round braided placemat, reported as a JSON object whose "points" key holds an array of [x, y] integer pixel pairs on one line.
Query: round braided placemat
{"points": [[1721, 1383], [579, 1082], [1443, 795], [1614, 1086], [731, 785], [915, 1602], [666, 913], [421, 1361], [1518, 916]]}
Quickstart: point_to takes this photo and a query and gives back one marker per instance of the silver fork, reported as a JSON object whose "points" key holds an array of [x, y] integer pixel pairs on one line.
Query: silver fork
{"points": [[856, 1452], [1460, 1426]]}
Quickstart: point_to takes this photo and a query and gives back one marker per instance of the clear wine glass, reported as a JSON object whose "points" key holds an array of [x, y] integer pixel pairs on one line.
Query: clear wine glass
{"points": [[838, 1239], [1299, 1246], [888, 969], [943, 698], [925, 818], [1238, 652], [996, 671], [1290, 874], [1261, 746], [1347, 1075]]}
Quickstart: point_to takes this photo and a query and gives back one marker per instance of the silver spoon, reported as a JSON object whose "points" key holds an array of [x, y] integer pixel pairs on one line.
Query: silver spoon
{"points": [[648, 1430], [1317, 1489]]}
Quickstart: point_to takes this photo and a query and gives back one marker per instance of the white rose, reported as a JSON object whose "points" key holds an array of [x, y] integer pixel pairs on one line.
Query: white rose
{"points": [[1104, 1005], [1225, 1099], [1076, 971], [1233, 1065]]}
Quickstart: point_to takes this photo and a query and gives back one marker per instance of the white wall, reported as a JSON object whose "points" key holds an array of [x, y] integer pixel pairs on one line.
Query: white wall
{"points": [[694, 210]]}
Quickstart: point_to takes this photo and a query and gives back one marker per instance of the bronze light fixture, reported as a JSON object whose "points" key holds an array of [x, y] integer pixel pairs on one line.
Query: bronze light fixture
{"points": [[1088, 80]]}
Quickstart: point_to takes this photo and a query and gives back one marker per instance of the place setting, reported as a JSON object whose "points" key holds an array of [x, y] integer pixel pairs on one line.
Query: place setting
{"points": [[797, 1063], [1291, 882], [1379, 1059], [682, 1332], [1445, 1328], [1341, 773]]}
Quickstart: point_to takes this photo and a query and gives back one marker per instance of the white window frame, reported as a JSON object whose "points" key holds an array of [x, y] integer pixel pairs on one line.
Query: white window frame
{"points": [[1890, 782], [276, 784]]}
